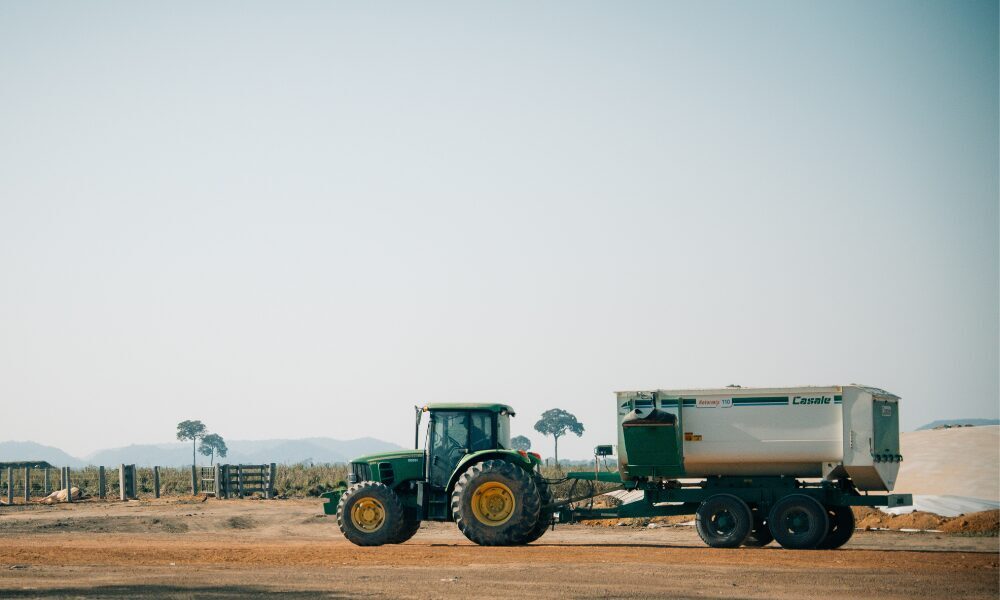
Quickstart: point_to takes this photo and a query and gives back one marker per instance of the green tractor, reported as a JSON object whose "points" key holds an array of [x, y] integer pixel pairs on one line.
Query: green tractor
{"points": [[466, 473]]}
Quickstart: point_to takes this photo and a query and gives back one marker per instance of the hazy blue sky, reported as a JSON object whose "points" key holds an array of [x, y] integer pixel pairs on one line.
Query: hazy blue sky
{"points": [[301, 219]]}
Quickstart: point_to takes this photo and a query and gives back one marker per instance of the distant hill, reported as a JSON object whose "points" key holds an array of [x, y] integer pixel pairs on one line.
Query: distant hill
{"points": [[954, 422], [24, 451], [315, 450]]}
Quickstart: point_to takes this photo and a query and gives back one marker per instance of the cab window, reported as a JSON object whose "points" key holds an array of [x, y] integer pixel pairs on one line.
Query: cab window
{"points": [[481, 433], [450, 432]]}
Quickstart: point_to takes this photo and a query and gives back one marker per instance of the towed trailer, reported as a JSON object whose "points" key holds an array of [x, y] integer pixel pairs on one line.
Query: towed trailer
{"points": [[756, 465], [752, 465]]}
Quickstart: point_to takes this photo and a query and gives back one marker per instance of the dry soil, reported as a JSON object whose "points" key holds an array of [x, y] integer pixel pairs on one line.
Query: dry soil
{"points": [[188, 548]]}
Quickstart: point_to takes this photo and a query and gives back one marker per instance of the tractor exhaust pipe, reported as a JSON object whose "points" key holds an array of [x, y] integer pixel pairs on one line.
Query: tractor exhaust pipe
{"points": [[416, 430]]}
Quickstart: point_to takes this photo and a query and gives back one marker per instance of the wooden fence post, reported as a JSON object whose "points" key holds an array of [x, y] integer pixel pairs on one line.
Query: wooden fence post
{"points": [[156, 482], [194, 480], [133, 483], [122, 490], [102, 483], [217, 473], [272, 472], [239, 479], [45, 483], [27, 485], [69, 487], [10, 485]]}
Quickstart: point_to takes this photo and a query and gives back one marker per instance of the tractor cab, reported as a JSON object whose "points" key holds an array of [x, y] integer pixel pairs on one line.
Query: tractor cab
{"points": [[466, 473], [456, 431]]}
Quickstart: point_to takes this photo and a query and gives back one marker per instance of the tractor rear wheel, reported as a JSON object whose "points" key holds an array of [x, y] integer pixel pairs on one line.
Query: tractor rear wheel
{"points": [[496, 503], [841, 527], [723, 521], [370, 514], [798, 522], [544, 515]]}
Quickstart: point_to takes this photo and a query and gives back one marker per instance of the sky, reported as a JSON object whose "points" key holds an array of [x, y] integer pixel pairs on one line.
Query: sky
{"points": [[294, 219]]}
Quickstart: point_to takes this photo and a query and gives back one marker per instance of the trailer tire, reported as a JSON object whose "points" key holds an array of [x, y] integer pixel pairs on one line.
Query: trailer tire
{"points": [[760, 535], [798, 522], [496, 503], [841, 527], [544, 515], [723, 521], [370, 514], [411, 523]]}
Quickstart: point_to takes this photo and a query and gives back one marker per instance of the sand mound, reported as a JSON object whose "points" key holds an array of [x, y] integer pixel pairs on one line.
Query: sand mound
{"points": [[985, 522], [982, 522], [872, 518]]}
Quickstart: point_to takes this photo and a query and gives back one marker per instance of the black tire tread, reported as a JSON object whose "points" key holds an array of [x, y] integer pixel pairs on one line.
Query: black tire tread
{"points": [[760, 535], [409, 528], [738, 507], [544, 515], [521, 525], [808, 542], [393, 506], [842, 525]]}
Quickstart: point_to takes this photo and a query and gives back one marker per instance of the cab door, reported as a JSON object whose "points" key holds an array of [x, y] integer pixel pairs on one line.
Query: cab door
{"points": [[447, 444]]}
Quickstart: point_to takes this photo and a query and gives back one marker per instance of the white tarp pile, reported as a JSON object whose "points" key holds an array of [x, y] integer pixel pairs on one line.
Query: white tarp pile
{"points": [[61, 496], [945, 506]]}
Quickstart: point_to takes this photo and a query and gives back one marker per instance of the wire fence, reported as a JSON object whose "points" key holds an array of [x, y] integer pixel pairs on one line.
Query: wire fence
{"points": [[290, 481]]}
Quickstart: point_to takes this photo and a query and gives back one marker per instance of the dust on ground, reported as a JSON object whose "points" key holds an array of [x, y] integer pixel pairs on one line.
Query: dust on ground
{"points": [[221, 548]]}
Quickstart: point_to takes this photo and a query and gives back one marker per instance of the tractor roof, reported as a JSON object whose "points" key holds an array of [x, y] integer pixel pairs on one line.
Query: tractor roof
{"points": [[496, 408]]}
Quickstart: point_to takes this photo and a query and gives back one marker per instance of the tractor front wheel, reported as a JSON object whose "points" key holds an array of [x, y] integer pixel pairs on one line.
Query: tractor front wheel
{"points": [[496, 503], [370, 514], [411, 523]]}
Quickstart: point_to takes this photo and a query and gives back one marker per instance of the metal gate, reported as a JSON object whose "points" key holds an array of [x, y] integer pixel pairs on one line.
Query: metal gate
{"points": [[240, 481]]}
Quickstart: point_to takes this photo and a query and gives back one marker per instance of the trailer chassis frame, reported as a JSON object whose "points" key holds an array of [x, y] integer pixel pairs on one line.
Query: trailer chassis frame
{"points": [[673, 498]]}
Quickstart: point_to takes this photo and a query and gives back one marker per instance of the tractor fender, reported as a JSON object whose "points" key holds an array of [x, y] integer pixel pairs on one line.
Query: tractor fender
{"points": [[512, 456]]}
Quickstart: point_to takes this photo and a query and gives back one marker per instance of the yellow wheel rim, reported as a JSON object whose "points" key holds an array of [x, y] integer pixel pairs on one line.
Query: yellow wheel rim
{"points": [[493, 503], [368, 515]]}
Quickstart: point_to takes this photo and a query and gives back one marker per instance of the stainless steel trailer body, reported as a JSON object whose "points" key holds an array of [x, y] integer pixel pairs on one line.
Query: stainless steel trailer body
{"points": [[831, 432], [754, 465]]}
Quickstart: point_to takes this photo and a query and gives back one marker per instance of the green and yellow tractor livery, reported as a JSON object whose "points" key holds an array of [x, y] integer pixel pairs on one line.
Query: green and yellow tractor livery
{"points": [[466, 473]]}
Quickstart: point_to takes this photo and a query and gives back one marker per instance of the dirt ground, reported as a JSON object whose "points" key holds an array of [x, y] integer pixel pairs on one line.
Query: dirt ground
{"points": [[189, 548]]}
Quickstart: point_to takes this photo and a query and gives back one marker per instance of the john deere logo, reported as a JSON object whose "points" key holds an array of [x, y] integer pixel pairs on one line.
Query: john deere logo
{"points": [[812, 400]]}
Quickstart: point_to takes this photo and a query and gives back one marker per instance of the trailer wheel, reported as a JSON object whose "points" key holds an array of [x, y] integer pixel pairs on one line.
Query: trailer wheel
{"points": [[370, 514], [544, 515], [723, 521], [841, 527], [798, 522], [411, 523], [760, 535], [496, 503]]}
